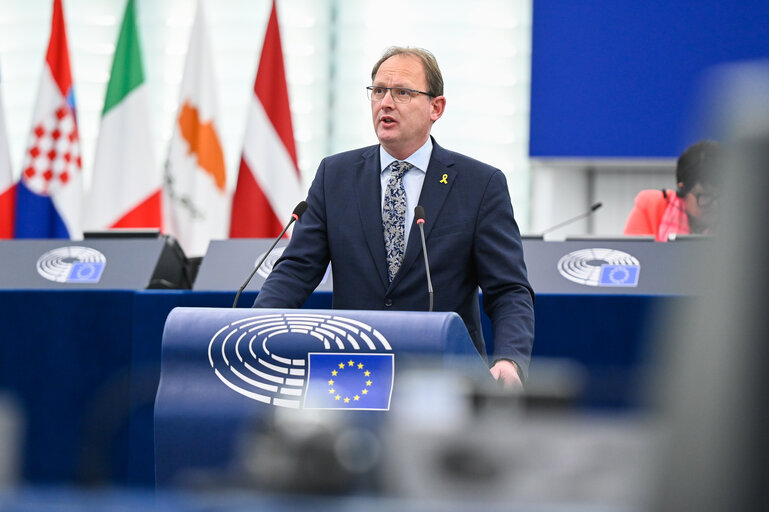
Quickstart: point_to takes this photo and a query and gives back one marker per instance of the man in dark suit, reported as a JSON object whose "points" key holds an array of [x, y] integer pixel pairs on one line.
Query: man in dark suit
{"points": [[360, 218]]}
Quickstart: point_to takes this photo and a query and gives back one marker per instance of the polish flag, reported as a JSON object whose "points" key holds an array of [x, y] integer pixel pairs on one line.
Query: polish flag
{"points": [[126, 189], [7, 189], [269, 184], [49, 192]]}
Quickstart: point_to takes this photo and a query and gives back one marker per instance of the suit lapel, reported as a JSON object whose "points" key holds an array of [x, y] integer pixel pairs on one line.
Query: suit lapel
{"points": [[439, 179], [369, 195]]}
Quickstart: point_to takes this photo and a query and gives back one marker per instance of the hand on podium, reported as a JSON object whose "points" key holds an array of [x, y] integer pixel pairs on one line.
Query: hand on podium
{"points": [[506, 372]]}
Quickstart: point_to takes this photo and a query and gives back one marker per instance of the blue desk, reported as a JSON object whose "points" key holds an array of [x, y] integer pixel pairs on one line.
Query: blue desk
{"points": [[85, 366]]}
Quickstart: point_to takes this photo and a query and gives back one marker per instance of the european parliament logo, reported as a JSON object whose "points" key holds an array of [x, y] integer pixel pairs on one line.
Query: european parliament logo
{"points": [[72, 264], [305, 360], [600, 267], [619, 275], [349, 381]]}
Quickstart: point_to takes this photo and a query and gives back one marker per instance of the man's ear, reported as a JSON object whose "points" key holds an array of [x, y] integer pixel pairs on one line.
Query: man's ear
{"points": [[438, 105]]}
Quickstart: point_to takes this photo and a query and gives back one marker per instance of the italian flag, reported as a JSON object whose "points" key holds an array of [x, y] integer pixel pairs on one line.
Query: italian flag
{"points": [[126, 187]]}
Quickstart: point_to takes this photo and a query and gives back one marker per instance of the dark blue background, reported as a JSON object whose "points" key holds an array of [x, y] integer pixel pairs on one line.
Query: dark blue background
{"points": [[621, 78]]}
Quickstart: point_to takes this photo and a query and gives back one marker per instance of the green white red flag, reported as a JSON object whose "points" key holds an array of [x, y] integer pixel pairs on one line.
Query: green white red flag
{"points": [[126, 187]]}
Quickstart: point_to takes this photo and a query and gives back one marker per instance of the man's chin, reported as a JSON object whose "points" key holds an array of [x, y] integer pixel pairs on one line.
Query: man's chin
{"points": [[386, 136], [386, 132]]}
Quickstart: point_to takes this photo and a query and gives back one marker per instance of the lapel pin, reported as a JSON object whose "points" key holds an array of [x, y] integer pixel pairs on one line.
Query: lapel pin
{"points": [[443, 180]]}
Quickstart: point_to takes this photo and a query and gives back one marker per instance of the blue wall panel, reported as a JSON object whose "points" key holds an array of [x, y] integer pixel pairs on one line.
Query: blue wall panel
{"points": [[620, 78]]}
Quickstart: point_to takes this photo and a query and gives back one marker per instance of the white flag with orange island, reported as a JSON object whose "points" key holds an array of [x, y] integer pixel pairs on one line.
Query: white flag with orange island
{"points": [[195, 182]]}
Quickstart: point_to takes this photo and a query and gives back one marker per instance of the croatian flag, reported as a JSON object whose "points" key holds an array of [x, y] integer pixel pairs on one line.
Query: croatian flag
{"points": [[269, 183], [48, 195]]}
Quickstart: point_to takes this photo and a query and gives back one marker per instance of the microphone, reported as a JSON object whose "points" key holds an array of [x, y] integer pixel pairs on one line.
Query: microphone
{"points": [[298, 211], [573, 219], [419, 214]]}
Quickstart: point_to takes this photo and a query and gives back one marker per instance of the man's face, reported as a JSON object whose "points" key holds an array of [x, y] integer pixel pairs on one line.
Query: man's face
{"points": [[402, 128]]}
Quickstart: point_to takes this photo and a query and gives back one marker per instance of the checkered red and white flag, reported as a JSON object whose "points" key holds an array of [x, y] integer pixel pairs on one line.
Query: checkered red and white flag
{"points": [[53, 152], [49, 193]]}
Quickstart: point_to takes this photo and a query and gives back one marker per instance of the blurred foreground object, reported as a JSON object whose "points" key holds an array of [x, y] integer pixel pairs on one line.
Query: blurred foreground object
{"points": [[453, 442], [714, 384], [11, 429]]}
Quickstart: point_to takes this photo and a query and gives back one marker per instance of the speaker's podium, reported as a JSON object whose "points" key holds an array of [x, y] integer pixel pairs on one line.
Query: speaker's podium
{"points": [[227, 374]]}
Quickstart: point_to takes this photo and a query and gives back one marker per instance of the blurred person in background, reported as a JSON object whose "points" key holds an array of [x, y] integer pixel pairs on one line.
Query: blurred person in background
{"points": [[690, 209]]}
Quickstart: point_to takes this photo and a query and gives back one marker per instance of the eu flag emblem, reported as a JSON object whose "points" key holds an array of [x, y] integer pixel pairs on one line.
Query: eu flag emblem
{"points": [[349, 381], [619, 275], [86, 272]]}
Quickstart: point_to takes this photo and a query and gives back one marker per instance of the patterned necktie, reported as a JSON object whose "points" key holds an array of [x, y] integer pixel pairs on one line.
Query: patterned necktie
{"points": [[394, 217]]}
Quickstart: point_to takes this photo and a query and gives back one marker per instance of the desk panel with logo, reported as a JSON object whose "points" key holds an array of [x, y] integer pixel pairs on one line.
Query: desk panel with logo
{"points": [[93, 264], [597, 266]]}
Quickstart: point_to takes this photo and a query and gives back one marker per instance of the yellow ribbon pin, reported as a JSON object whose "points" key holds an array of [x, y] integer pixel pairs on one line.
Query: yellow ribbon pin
{"points": [[443, 180]]}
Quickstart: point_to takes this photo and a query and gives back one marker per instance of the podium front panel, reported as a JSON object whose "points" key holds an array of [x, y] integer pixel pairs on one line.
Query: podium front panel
{"points": [[225, 371]]}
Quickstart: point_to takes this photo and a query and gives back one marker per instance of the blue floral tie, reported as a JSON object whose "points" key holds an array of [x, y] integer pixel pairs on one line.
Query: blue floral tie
{"points": [[394, 217]]}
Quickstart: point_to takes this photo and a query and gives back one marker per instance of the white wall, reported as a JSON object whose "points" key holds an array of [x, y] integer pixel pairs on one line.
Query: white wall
{"points": [[564, 189]]}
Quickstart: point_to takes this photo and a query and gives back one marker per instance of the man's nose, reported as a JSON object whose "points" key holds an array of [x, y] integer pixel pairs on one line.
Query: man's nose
{"points": [[388, 99]]}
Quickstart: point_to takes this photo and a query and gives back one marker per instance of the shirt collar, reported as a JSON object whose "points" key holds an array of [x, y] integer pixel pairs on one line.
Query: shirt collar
{"points": [[419, 159]]}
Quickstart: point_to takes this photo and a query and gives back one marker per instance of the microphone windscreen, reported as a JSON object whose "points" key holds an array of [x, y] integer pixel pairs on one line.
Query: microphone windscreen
{"points": [[419, 213], [300, 209]]}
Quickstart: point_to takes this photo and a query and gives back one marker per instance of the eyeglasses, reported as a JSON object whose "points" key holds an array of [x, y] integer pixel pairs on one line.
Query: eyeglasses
{"points": [[706, 200], [399, 94]]}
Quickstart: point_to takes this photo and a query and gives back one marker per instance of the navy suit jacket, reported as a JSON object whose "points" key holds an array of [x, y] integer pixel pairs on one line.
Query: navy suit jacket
{"points": [[472, 240]]}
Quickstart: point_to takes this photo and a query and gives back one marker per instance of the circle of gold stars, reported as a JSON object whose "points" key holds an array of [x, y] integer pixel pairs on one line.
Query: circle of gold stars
{"points": [[347, 366]]}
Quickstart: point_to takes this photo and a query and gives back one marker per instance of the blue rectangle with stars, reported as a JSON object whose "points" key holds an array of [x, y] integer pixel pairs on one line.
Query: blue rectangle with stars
{"points": [[349, 381], [619, 275], [86, 272]]}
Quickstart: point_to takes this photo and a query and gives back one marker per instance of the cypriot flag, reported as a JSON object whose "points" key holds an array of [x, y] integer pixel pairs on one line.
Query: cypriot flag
{"points": [[194, 194], [126, 188]]}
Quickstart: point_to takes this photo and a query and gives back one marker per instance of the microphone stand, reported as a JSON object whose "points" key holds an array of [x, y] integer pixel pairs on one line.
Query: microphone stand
{"points": [[298, 211], [573, 219], [420, 222], [243, 287]]}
